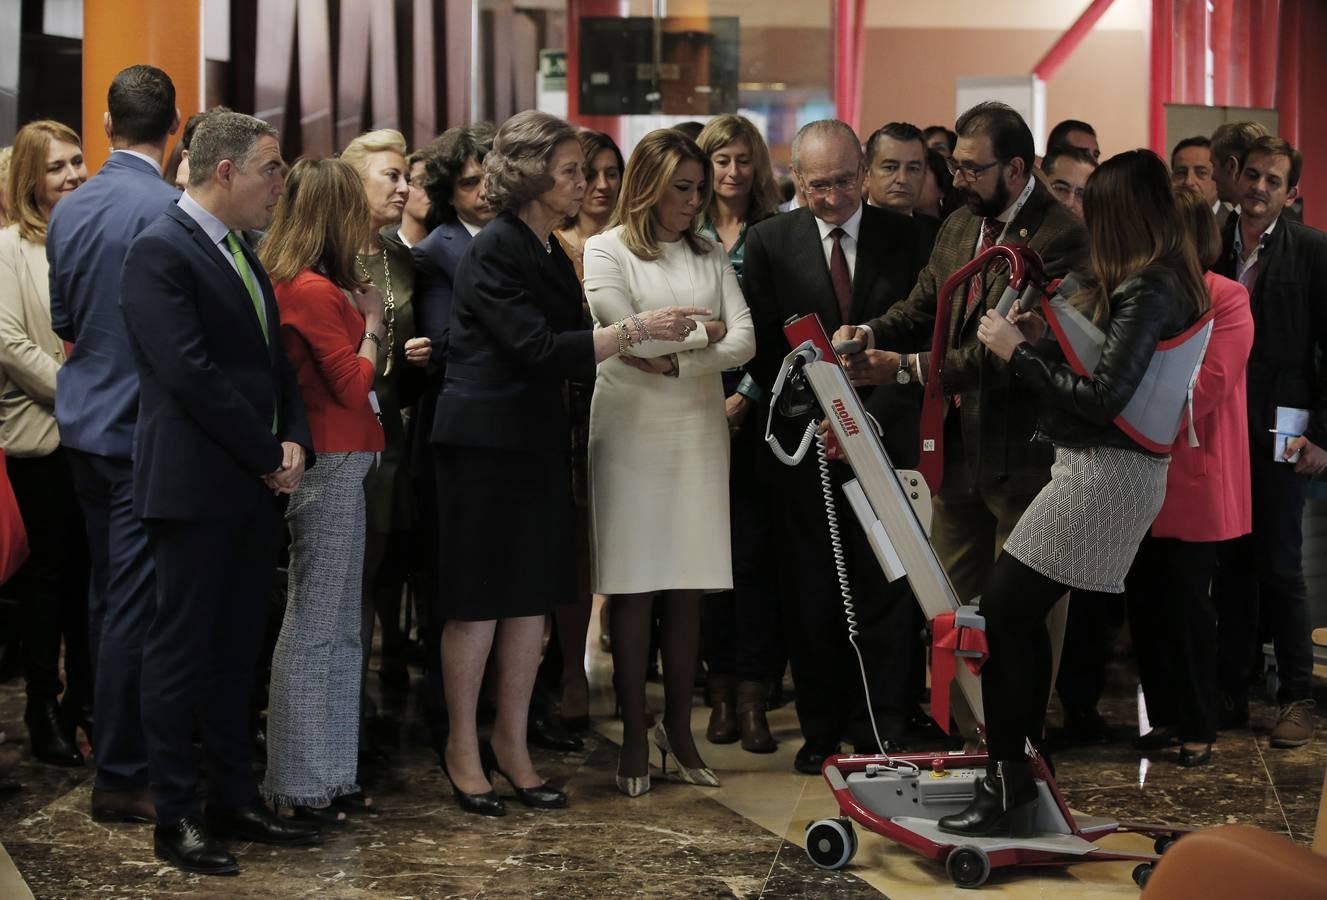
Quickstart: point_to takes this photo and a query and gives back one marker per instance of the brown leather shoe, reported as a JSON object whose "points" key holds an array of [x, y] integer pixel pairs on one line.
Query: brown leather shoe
{"points": [[134, 805], [751, 722], [723, 718], [1295, 724]]}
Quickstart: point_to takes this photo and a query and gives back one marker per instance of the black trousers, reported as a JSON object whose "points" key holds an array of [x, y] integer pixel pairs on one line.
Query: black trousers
{"points": [[52, 584], [1016, 679], [1089, 633], [120, 609], [831, 703], [1173, 624], [1261, 576], [741, 627], [214, 579]]}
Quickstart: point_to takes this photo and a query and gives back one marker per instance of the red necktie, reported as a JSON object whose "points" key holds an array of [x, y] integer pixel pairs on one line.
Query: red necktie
{"points": [[977, 286], [839, 275]]}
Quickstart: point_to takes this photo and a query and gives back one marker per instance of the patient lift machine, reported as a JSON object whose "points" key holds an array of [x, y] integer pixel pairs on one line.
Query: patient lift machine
{"points": [[902, 796]]}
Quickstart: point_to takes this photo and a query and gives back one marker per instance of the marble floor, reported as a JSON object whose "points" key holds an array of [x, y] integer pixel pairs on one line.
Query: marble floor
{"points": [[743, 840]]}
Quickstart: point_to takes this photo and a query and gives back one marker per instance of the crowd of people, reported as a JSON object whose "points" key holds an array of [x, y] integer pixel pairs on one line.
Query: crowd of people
{"points": [[512, 370]]}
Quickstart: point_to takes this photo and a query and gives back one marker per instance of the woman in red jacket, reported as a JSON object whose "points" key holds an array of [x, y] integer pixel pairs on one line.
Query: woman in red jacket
{"points": [[1207, 501], [332, 330]]}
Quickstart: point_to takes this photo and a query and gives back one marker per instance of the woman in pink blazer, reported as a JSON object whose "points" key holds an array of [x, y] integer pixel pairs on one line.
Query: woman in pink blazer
{"points": [[1171, 614]]}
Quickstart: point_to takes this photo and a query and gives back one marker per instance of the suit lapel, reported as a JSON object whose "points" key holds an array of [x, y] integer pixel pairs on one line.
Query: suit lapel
{"points": [[966, 244], [809, 252], [234, 287], [866, 272]]}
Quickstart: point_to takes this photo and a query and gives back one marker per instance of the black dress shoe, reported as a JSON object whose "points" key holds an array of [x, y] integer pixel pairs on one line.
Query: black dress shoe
{"points": [[129, 805], [1191, 758], [485, 804], [256, 823], [1082, 729], [547, 732], [1157, 739], [811, 760], [1006, 803], [187, 845], [539, 797], [52, 740]]}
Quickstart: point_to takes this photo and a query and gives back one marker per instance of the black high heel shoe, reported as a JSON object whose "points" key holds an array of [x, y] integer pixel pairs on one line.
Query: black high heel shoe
{"points": [[538, 797], [319, 815], [485, 804], [1192, 758]]}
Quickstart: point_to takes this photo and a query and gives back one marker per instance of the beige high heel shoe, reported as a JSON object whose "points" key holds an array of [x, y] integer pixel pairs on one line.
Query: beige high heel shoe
{"points": [[634, 786], [702, 777]]}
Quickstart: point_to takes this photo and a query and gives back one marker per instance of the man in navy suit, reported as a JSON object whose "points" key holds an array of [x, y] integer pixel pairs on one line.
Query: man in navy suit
{"points": [[221, 431], [96, 405]]}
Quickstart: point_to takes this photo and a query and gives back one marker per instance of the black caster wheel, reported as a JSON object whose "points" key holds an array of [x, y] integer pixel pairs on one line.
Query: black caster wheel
{"points": [[1141, 873], [1164, 843], [830, 843], [968, 866]]}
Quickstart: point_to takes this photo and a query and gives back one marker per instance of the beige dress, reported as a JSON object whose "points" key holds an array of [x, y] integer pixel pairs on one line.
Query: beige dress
{"points": [[659, 445]]}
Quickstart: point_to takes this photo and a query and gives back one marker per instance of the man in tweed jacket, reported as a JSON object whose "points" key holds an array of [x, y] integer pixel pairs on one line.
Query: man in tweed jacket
{"points": [[993, 468]]}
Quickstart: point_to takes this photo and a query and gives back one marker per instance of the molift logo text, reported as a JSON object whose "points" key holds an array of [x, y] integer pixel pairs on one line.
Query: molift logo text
{"points": [[845, 419]]}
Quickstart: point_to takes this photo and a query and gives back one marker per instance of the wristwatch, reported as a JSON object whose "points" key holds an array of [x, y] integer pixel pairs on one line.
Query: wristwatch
{"points": [[904, 375]]}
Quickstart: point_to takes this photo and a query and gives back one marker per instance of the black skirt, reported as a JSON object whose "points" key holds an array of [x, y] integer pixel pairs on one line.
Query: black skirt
{"points": [[506, 533]]}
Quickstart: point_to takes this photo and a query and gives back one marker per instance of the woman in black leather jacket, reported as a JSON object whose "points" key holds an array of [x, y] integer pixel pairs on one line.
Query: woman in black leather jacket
{"points": [[1083, 529]]}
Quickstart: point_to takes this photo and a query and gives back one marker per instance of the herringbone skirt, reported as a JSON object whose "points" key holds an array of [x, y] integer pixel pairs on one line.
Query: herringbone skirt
{"points": [[1084, 528]]}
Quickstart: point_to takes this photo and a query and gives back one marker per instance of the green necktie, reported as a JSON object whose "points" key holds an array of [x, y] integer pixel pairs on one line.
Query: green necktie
{"points": [[243, 265]]}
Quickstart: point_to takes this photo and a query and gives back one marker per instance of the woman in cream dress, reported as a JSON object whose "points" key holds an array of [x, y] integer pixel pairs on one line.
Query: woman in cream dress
{"points": [[659, 439]]}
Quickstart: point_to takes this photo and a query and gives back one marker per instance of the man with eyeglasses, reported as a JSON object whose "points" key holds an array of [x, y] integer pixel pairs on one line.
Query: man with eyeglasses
{"points": [[1066, 170], [993, 467], [847, 262]]}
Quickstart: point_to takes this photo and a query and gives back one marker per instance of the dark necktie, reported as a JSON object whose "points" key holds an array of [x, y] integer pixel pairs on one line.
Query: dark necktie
{"points": [[977, 286], [839, 275]]}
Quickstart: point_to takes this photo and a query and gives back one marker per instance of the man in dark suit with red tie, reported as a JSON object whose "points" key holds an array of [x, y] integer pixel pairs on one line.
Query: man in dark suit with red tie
{"points": [[846, 262], [221, 433]]}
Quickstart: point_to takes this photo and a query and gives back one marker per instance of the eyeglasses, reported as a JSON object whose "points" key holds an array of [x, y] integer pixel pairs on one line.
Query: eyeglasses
{"points": [[970, 171], [1064, 190], [843, 185]]}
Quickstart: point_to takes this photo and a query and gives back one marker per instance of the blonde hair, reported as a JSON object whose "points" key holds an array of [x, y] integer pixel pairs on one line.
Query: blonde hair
{"points": [[27, 172], [357, 152], [650, 170], [516, 169], [729, 129], [5, 153], [320, 222]]}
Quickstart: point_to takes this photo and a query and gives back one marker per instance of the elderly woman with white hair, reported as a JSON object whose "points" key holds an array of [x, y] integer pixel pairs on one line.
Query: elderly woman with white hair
{"points": [[502, 437], [385, 262]]}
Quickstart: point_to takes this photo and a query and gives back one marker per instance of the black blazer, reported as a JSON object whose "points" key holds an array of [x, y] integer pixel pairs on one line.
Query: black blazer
{"points": [[516, 336], [209, 384], [786, 275], [1289, 305]]}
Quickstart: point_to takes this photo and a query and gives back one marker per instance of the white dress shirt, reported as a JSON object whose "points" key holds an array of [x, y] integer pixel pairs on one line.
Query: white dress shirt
{"points": [[1246, 270], [851, 229]]}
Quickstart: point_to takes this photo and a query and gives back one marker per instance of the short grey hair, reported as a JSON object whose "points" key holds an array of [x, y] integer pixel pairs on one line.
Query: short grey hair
{"points": [[223, 134], [516, 169], [824, 128]]}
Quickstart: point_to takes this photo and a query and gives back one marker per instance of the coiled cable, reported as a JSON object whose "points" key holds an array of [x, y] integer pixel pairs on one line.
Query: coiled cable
{"points": [[845, 590]]}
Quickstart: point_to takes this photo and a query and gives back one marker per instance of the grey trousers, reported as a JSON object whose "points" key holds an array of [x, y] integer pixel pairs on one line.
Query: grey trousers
{"points": [[313, 704]]}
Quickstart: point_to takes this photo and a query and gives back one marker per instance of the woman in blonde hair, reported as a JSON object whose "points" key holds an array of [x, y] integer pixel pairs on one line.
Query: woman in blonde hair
{"points": [[384, 262], [740, 626], [501, 438], [52, 586], [332, 330], [659, 441]]}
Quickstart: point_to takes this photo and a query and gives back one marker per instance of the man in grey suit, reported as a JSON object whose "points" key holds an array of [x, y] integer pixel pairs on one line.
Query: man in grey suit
{"points": [[96, 405]]}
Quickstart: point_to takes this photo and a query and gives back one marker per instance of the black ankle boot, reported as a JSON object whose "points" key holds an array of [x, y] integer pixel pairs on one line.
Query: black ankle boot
{"points": [[1006, 803], [52, 739]]}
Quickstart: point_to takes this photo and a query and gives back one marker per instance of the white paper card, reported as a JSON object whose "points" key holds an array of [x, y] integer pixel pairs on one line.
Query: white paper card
{"points": [[1290, 423]]}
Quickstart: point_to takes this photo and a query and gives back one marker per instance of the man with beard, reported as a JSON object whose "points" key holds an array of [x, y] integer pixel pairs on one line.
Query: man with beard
{"points": [[993, 468]]}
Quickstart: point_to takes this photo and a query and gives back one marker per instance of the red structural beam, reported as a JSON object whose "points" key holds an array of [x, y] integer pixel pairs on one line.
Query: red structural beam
{"points": [[849, 59], [1069, 41], [1160, 74]]}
